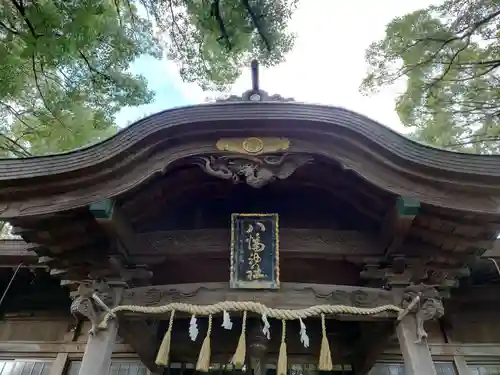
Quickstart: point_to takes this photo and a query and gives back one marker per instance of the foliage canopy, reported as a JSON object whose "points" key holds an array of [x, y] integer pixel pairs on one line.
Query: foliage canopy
{"points": [[65, 64], [450, 56]]}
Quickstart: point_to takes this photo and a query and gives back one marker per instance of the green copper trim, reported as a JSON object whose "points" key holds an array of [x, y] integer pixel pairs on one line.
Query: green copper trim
{"points": [[102, 209], [407, 206]]}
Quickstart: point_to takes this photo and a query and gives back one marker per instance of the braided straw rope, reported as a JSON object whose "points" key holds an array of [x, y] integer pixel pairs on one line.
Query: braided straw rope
{"points": [[250, 306]]}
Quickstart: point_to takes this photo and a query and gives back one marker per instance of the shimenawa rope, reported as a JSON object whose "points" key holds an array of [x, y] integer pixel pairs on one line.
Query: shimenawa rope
{"points": [[203, 364], [250, 306]]}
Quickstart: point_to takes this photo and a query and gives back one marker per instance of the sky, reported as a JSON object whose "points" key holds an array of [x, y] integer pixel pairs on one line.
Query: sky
{"points": [[326, 65]]}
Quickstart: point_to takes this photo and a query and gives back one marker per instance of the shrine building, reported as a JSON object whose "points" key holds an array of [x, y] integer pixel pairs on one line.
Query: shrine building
{"points": [[253, 235]]}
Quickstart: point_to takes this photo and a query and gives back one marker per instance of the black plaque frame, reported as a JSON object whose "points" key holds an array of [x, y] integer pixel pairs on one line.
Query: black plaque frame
{"points": [[268, 226]]}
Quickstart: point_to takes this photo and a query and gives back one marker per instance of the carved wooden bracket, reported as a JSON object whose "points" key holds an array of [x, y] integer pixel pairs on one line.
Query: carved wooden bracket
{"points": [[428, 307], [403, 271], [388, 275], [92, 301]]}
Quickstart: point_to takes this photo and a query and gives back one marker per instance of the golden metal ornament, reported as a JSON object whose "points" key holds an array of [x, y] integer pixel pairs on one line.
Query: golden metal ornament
{"points": [[253, 145]]}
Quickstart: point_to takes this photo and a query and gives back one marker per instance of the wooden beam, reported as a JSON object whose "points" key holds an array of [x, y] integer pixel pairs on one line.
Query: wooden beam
{"points": [[142, 338], [475, 294], [294, 243], [49, 349], [289, 296], [397, 224], [12, 252], [44, 349], [453, 349], [115, 224], [97, 357], [59, 234], [459, 241], [469, 227], [156, 247], [416, 355]]}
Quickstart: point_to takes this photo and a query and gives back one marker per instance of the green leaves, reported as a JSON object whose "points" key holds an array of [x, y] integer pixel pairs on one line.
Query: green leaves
{"points": [[212, 40], [64, 65], [449, 56], [63, 68]]}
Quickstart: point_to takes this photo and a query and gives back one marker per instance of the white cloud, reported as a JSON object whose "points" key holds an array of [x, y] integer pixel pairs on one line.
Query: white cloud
{"points": [[327, 63]]}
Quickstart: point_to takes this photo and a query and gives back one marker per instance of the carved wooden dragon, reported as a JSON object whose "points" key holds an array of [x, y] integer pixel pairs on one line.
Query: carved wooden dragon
{"points": [[429, 307], [255, 171], [91, 302]]}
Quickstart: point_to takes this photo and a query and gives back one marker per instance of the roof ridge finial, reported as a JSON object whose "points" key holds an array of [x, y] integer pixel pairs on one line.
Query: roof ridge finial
{"points": [[255, 94], [254, 66]]}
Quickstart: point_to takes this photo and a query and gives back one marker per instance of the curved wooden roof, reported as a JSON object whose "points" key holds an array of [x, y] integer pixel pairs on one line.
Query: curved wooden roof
{"points": [[454, 181]]}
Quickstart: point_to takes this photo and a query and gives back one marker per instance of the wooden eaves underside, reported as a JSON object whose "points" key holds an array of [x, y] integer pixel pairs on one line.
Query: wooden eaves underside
{"points": [[42, 185]]}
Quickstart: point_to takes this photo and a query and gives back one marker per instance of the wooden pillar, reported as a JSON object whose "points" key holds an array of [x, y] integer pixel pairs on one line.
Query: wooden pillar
{"points": [[97, 357], [416, 355]]}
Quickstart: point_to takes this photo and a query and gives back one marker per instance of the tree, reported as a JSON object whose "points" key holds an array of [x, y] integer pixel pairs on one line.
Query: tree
{"points": [[64, 65], [450, 57], [64, 72], [211, 40]]}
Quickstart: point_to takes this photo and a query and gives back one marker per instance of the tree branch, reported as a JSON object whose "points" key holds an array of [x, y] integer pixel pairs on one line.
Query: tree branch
{"points": [[16, 148], [20, 8], [257, 25], [10, 30], [42, 96], [117, 7], [479, 23], [17, 115], [92, 69], [216, 13], [448, 68]]}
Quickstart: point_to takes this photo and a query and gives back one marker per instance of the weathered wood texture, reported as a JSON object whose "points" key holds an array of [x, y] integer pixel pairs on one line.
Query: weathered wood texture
{"points": [[40, 341], [320, 243], [14, 251], [477, 326], [97, 356], [417, 356], [289, 296], [50, 349], [384, 158], [224, 343], [168, 254], [44, 328], [36, 328]]}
